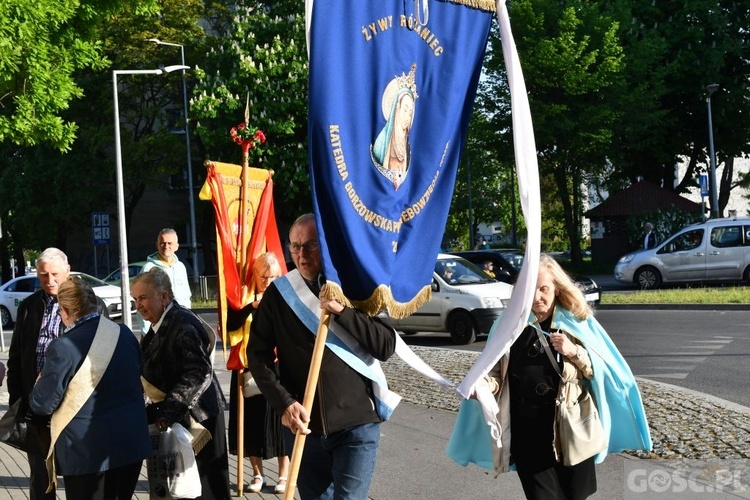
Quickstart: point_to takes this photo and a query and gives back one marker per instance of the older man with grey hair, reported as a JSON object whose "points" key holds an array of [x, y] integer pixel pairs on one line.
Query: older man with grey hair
{"points": [[37, 325]]}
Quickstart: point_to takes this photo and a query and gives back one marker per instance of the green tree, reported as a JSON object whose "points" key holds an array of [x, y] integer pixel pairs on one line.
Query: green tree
{"points": [[572, 65], [492, 186], [41, 183], [262, 57], [43, 45], [673, 50]]}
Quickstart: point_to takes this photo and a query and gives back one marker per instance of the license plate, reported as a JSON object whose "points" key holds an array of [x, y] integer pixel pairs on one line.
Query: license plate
{"points": [[591, 297]]}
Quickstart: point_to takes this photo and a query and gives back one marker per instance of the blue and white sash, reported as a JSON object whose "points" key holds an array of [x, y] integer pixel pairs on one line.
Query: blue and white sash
{"points": [[306, 307]]}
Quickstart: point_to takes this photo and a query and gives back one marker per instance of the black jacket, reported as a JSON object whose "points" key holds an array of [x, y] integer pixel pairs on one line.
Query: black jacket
{"points": [[344, 398], [177, 360]]}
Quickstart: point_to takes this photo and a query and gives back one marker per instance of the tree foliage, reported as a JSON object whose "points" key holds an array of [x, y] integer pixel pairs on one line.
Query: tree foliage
{"points": [[673, 50], [572, 64], [43, 45], [618, 91], [39, 182], [260, 60]]}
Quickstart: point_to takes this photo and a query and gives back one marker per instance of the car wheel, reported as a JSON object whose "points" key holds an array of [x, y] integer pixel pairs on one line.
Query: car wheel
{"points": [[5, 314], [462, 328], [409, 332], [647, 278], [746, 274]]}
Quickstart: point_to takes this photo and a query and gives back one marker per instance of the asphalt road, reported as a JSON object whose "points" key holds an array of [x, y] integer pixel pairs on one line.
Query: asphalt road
{"points": [[704, 351]]}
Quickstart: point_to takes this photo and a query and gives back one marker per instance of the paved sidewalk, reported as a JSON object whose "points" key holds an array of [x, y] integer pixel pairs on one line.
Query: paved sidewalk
{"points": [[411, 463]]}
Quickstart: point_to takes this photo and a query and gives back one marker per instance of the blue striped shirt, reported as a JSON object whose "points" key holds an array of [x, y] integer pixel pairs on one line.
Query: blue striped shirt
{"points": [[49, 331]]}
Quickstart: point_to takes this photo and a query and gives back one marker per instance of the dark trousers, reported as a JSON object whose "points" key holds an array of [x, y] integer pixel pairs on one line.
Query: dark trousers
{"points": [[115, 484], [213, 461], [38, 479], [559, 482]]}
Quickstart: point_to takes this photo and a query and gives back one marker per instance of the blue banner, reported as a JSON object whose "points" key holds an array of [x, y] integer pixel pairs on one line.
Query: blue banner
{"points": [[392, 84]]}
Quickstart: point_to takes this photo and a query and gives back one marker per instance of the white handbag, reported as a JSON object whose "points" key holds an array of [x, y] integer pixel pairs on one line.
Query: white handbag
{"points": [[249, 387]]}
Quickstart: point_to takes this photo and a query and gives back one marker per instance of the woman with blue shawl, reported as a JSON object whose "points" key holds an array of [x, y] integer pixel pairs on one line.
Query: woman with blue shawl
{"points": [[527, 386]]}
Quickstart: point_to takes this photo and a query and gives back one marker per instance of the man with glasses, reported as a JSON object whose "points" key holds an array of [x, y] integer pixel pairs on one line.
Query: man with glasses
{"points": [[343, 428]]}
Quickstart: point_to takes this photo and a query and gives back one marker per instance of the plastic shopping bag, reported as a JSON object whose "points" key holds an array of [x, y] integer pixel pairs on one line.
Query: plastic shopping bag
{"points": [[172, 469]]}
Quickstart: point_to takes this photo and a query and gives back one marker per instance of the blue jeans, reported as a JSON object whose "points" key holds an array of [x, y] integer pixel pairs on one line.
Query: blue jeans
{"points": [[338, 466]]}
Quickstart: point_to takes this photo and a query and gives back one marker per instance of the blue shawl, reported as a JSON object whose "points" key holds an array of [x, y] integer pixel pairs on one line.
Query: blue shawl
{"points": [[615, 391]]}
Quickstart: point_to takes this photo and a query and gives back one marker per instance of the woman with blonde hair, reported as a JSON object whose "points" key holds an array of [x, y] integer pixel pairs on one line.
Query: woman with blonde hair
{"points": [[100, 450], [562, 355], [262, 436]]}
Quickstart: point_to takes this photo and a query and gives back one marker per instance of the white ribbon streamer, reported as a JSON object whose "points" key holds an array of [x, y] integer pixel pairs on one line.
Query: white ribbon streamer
{"points": [[505, 331]]}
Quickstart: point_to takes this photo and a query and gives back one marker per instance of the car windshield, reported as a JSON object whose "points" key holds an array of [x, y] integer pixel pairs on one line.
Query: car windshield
{"points": [[90, 280], [515, 259], [456, 270]]}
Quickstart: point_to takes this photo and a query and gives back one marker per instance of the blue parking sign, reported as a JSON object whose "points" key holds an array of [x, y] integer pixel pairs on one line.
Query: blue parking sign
{"points": [[704, 184], [100, 229]]}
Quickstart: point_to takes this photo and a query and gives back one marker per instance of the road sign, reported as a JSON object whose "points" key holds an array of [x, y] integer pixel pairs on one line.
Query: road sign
{"points": [[704, 184], [100, 228]]}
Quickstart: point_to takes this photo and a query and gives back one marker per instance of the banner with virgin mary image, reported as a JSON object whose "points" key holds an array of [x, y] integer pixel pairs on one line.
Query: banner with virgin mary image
{"points": [[392, 85]]}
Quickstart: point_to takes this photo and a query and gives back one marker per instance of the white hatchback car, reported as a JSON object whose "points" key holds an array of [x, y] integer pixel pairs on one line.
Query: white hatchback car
{"points": [[465, 302], [15, 290]]}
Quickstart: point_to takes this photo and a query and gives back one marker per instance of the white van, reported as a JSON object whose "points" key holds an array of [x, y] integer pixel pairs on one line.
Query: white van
{"points": [[718, 249], [465, 302]]}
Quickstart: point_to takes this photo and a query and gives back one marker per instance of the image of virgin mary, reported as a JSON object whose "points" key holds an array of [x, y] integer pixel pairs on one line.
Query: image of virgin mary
{"points": [[391, 151]]}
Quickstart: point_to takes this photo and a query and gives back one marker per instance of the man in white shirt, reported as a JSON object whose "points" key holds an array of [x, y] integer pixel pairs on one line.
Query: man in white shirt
{"points": [[165, 258]]}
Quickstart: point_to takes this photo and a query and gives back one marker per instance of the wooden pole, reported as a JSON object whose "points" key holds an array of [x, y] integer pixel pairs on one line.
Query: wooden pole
{"points": [[240, 434], [244, 241], [307, 402]]}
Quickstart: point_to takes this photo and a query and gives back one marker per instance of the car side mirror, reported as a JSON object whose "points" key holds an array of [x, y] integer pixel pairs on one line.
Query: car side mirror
{"points": [[434, 286]]}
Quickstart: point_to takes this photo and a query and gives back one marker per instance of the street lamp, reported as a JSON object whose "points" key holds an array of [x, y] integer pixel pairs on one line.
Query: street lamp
{"points": [[125, 283], [193, 242], [713, 191]]}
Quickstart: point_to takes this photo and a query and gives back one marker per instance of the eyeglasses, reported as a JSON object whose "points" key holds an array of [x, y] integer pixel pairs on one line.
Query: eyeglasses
{"points": [[310, 246], [267, 278]]}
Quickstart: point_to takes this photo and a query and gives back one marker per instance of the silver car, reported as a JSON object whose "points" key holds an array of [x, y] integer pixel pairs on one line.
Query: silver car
{"points": [[718, 249]]}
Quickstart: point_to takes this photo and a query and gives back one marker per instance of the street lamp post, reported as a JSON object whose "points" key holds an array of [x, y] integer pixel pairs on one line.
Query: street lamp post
{"points": [[191, 199], [122, 234], [713, 188]]}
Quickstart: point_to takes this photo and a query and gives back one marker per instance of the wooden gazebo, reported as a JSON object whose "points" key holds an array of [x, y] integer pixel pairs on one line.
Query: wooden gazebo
{"points": [[609, 236]]}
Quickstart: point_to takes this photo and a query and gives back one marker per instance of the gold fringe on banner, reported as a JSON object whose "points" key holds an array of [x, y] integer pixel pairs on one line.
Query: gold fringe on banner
{"points": [[486, 5], [380, 300]]}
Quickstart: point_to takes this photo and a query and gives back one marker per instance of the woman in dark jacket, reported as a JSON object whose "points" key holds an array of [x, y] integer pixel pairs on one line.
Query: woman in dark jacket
{"points": [[100, 451], [179, 377]]}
